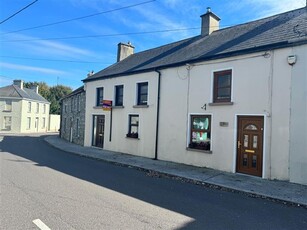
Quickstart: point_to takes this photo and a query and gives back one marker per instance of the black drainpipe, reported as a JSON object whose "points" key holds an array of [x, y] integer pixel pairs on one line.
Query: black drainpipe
{"points": [[158, 111]]}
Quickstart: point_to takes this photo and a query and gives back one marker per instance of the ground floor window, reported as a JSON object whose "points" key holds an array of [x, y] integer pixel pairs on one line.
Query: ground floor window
{"points": [[7, 123], [133, 131], [200, 132], [28, 122]]}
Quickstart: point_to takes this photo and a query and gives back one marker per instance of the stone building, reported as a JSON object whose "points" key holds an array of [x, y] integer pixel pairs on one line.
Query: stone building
{"points": [[73, 116]]}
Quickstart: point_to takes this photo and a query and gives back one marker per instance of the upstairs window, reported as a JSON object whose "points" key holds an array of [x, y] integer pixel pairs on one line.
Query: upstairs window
{"points": [[200, 132], [119, 95], [142, 95], [44, 108], [222, 86], [99, 97], [78, 102], [37, 107], [29, 107], [8, 106]]}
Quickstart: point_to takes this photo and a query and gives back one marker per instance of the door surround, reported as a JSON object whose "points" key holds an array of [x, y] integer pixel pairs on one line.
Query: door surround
{"points": [[264, 148], [98, 131]]}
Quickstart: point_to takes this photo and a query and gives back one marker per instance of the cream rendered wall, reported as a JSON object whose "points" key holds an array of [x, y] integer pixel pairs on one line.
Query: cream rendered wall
{"points": [[251, 96], [14, 114], [145, 144], [298, 127], [33, 115]]}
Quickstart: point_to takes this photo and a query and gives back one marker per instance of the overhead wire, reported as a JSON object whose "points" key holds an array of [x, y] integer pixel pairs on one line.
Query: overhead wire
{"points": [[52, 60], [102, 35], [79, 18], [27, 6]]}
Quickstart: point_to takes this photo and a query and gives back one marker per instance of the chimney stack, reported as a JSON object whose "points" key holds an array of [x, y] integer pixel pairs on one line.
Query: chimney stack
{"points": [[35, 88], [18, 83], [124, 51], [209, 22]]}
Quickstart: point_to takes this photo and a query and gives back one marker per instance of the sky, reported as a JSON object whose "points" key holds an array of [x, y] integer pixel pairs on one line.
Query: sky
{"points": [[61, 41]]}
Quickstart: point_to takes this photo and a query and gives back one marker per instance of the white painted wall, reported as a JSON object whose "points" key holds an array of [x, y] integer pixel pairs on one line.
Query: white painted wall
{"points": [[144, 146], [261, 86], [252, 77], [54, 123], [298, 128]]}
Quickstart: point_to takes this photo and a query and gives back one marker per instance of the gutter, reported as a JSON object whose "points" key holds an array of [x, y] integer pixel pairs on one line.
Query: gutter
{"points": [[158, 114]]}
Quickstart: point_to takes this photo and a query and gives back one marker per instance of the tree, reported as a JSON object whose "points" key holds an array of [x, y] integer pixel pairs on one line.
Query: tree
{"points": [[56, 93], [52, 94]]}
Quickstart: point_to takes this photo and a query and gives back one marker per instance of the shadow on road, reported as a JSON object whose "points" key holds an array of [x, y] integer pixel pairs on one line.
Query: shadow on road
{"points": [[208, 207]]}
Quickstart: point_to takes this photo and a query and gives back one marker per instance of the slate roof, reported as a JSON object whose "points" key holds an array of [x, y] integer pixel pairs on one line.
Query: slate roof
{"points": [[282, 30], [75, 92], [13, 91]]}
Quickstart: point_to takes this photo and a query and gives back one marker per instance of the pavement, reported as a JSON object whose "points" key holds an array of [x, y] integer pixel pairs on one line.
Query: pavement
{"points": [[273, 189]]}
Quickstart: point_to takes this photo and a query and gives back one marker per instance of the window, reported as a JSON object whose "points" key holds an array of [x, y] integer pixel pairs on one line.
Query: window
{"points": [[119, 95], [28, 122], [78, 102], [65, 108], [133, 131], [7, 122], [142, 93], [44, 123], [44, 108], [200, 132], [37, 107], [222, 86], [71, 104], [99, 99], [64, 123], [77, 128], [8, 106], [29, 107]]}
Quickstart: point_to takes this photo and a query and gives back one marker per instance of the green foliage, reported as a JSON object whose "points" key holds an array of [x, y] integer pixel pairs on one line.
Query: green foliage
{"points": [[52, 94]]}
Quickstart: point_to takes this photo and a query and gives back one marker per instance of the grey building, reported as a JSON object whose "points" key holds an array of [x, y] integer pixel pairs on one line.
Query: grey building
{"points": [[73, 116]]}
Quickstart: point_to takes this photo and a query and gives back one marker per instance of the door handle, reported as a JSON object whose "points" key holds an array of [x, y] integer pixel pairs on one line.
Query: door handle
{"points": [[239, 144]]}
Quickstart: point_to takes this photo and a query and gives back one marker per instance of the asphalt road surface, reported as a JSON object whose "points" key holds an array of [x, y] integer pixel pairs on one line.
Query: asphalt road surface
{"points": [[45, 188]]}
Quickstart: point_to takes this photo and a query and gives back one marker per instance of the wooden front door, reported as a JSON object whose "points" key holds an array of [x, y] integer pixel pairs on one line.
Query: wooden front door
{"points": [[98, 134], [250, 145]]}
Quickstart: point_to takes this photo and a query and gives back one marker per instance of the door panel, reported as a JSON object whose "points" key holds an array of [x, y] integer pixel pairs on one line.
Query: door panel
{"points": [[98, 133], [250, 145]]}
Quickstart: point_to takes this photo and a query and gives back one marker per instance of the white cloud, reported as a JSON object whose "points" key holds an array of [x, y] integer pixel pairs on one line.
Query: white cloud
{"points": [[263, 8], [30, 68], [32, 45]]}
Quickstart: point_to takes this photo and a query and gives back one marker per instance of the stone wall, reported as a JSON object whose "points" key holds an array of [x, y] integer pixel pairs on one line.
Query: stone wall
{"points": [[73, 118]]}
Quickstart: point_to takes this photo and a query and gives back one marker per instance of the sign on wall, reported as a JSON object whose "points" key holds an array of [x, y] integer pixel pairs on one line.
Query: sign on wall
{"points": [[107, 105]]}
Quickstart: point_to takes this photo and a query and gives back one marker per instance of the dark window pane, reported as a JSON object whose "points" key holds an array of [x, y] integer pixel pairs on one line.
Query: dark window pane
{"points": [[223, 93], [224, 81]]}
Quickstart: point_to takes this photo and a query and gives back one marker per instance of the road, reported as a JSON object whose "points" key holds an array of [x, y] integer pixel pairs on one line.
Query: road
{"points": [[45, 188]]}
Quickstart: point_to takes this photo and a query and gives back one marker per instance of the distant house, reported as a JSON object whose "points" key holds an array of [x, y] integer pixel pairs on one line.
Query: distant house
{"points": [[232, 99], [23, 110], [73, 116]]}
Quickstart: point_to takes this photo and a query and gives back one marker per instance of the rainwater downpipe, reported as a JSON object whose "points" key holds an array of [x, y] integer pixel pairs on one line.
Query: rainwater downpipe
{"points": [[158, 114]]}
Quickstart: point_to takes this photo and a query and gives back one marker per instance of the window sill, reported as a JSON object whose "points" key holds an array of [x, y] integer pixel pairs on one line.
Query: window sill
{"points": [[7, 111], [135, 138], [118, 107], [199, 150], [97, 107], [220, 103], [140, 106]]}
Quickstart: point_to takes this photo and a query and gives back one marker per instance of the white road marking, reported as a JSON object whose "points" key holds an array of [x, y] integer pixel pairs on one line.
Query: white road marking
{"points": [[41, 224]]}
